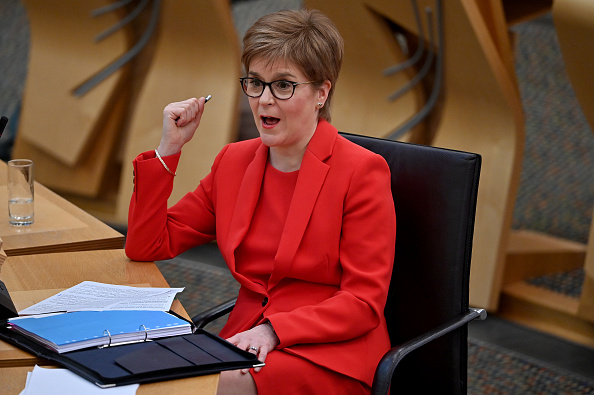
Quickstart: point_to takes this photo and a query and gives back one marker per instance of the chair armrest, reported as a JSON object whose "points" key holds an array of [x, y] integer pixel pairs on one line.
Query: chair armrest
{"points": [[212, 314], [387, 365]]}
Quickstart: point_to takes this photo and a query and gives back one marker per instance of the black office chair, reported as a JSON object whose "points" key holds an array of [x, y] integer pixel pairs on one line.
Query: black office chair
{"points": [[435, 193]]}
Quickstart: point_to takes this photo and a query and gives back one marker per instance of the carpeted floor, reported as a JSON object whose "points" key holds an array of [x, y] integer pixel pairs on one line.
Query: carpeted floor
{"points": [[567, 283], [496, 370], [556, 191]]}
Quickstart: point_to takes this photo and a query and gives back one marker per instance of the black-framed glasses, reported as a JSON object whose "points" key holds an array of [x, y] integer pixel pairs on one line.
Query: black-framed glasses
{"points": [[281, 89]]}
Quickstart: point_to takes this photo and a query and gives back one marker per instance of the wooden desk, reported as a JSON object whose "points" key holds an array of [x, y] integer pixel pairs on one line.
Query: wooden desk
{"points": [[32, 278], [59, 226]]}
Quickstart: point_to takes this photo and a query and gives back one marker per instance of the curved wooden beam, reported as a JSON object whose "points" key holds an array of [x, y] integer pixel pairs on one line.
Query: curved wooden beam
{"points": [[63, 54]]}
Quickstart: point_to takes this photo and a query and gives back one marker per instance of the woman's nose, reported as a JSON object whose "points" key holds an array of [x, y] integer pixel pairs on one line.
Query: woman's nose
{"points": [[267, 97]]}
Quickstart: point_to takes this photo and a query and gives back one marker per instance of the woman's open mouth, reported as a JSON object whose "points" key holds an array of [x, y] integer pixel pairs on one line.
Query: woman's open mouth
{"points": [[269, 121]]}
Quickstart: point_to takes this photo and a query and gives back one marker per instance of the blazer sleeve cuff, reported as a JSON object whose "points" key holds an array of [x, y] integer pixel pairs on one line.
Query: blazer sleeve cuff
{"points": [[172, 161]]}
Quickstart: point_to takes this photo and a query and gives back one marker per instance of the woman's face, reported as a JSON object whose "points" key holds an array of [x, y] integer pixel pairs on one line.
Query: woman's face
{"points": [[285, 124]]}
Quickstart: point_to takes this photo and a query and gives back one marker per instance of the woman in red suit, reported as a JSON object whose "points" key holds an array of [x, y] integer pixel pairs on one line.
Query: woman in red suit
{"points": [[303, 217]]}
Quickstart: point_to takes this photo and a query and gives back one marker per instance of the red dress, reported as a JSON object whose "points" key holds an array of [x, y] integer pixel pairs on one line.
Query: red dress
{"points": [[255, 260]]}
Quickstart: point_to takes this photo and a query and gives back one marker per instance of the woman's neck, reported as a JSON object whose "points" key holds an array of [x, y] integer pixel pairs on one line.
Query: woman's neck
{"points": [[284, 161], [288, 158]]}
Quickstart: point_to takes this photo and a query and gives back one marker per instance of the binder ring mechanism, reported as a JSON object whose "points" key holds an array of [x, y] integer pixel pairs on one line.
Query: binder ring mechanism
{"points": [[110, 344], [145, 332], [108, 334]]}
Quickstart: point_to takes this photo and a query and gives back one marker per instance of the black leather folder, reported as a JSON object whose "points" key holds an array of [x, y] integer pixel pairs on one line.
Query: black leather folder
{"points": [[7, 309], [167, 358]]}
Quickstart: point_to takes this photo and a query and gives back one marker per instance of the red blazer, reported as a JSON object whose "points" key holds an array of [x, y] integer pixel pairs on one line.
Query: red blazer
{"points": [[328, 288]]}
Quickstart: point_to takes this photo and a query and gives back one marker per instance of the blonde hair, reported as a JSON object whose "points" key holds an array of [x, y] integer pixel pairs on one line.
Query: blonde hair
{"points": [[306, 38]]}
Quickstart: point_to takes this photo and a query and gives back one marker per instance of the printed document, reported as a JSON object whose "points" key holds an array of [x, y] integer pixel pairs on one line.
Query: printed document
{"points": [[93, 296]]}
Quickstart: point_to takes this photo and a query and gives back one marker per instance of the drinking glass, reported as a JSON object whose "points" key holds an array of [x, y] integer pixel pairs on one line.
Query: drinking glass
{"points": [[20, 192]]}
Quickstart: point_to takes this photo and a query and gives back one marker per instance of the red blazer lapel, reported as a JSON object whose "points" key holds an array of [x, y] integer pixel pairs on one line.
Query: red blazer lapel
{"points": [[312, 175], [245, 205]]}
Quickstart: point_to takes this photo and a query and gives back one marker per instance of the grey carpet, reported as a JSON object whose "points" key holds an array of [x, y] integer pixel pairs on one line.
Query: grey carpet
{"points": [[556, 193]]}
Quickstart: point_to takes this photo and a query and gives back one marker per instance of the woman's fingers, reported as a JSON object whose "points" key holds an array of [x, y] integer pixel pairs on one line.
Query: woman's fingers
{"points": [[182, 113], [262, 354], [180, 121], [259, 340]]}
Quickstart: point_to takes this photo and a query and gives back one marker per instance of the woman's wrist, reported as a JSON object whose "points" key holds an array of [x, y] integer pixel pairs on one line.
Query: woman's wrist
{"points": [[275, 336], [168, 149]]}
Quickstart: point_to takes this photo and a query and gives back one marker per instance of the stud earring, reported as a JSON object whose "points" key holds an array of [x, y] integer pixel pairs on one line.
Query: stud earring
{"points": [[320, 105]]}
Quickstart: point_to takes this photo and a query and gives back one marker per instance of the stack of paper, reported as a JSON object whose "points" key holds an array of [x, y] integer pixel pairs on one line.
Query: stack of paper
{"points": [[91, 295]]}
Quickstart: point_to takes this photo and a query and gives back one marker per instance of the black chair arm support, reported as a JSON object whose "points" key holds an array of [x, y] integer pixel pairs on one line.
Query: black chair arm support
{"points": [[389, 362], [212, 314]]}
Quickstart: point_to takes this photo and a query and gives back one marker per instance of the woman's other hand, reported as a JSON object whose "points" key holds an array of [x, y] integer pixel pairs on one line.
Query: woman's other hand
{"points": [[180, 121], [259, 340]]}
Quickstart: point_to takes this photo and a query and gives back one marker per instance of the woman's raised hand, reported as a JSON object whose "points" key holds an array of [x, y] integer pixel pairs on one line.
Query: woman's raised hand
{"points": [[180, 121]]}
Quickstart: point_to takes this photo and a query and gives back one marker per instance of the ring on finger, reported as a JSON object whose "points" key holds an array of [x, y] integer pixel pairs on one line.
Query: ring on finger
{"points": [[253, 348]]}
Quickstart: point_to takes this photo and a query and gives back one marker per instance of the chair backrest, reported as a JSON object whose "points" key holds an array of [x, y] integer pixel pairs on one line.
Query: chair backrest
{"points": [[435, 193]]}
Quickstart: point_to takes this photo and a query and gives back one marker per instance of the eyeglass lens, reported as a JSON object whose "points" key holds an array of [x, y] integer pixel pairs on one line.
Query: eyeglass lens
{"points": [[281, 89]]}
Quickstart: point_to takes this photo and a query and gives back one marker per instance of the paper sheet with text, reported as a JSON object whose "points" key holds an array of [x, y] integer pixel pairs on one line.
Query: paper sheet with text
{"points": [[90, 295]]}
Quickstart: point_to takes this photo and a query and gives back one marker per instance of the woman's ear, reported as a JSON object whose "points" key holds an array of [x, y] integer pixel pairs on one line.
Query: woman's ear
{"points": [[323, 91]]}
